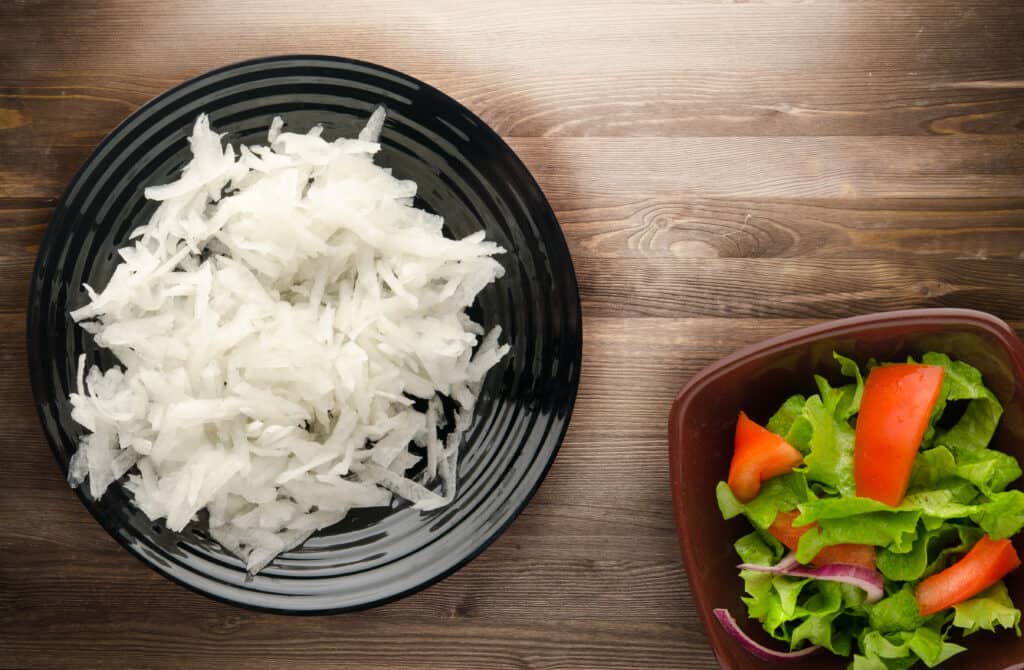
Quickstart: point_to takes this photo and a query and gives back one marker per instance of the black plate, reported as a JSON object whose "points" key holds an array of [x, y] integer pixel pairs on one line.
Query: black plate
{"points": [[466, 173]]}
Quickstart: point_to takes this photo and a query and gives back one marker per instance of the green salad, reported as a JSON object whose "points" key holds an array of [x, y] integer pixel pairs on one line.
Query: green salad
{"points": [[881, 517]]}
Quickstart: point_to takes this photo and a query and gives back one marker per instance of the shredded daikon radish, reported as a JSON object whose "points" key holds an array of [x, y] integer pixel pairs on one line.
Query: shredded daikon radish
{"points": [[287, 324]]}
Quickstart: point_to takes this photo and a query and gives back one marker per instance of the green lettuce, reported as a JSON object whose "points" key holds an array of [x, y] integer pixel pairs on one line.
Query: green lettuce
{"points": [[820, 630], [906, 566], [952, 547], [763, 603], [790, 423], [825, 603], [897, 612], [929, 554], [895, 530], [758, 548], [1000, 515], [989, 610], [961, 381], [779, 494], [988, 470], [848, 402], [830, 461], [775, 601], [904, 648], [802, 611]]}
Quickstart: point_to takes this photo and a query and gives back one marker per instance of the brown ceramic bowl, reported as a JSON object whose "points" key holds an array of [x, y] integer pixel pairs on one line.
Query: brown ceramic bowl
{"points": [[757, 379]]}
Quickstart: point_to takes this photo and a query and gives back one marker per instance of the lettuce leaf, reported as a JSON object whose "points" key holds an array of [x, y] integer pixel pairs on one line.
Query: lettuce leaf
{"points": [[975, 429], [1002, 516], [790, 423], [989, 610], [779, 494], [849, 403], [914, 564], [897, 612], [826, 605], [908, 566], [903, 649], [837, 508], [763, 603], [864, 663], [789, 589], [798, 611], [820, 630], [990, 470], [932, 468], [830, 460], [758, 548], [772, 600], [940, 503], [895, 530], [952, 549], [961, 381], [728, 504]]}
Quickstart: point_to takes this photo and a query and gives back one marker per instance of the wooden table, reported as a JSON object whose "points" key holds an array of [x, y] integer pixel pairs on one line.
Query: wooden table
{"points": [[723, 172]]}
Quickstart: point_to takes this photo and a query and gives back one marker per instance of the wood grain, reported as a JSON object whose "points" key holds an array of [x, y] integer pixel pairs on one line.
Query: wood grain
{"points": [[709, 228], [584, 68], [730, 167], [723, 172]]}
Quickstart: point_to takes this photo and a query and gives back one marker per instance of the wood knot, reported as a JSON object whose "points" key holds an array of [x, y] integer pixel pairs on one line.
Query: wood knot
{"points": [[462, 610], [229, 623]]}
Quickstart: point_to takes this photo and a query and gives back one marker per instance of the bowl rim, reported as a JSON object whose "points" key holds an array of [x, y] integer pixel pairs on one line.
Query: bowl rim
{"points": [[574, 306], [800, 337]]}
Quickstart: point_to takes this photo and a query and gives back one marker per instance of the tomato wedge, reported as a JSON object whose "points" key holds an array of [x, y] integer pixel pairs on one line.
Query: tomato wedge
{"points": [[894, 412], [985, 564], [758, 454], [848, 554]]}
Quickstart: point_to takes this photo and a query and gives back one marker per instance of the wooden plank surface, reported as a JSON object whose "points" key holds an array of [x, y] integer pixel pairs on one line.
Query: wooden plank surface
{"points": [[723, 172]]}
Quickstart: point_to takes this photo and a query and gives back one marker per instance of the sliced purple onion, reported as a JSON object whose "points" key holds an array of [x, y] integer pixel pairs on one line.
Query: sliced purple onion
{"points": [[732, 628], [864, 578], [782, 567]]}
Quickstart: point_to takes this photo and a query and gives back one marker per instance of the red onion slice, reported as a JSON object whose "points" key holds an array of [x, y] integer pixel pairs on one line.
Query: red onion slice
{"points": [[783, 567], [788, 562], [732, 628], [864, 578]]}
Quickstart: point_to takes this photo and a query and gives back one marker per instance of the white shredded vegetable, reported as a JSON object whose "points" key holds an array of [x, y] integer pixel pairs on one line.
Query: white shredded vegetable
{"points": [[287, 323]]}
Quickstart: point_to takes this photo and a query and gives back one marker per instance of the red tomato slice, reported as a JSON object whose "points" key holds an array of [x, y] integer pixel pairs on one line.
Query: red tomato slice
{"points": [[894, 412], [984, 565], [848, 554], [784, 531], [758, 455]]}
